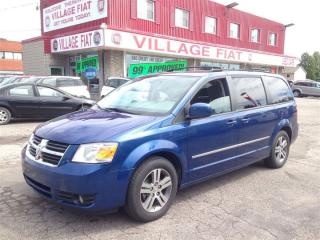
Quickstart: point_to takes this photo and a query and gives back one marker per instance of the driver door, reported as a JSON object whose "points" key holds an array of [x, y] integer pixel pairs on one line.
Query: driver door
{"points": [[54, 103]]}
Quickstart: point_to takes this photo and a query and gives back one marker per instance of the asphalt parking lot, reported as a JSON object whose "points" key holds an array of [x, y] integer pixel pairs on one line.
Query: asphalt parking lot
{"points": [[252, 203]]}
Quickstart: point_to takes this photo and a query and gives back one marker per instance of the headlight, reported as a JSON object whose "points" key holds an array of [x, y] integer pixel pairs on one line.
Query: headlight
{"points": [[95, 153]]}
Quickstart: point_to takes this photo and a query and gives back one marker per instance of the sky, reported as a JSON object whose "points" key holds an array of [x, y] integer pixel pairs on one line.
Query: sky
{"points": [[20, 19]]}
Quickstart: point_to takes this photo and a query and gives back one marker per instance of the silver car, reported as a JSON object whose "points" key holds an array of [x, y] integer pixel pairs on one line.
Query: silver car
{"points": [[306, 88]]}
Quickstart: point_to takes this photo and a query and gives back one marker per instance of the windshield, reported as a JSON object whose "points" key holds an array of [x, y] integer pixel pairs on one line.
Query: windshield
{"points": [[150, 96]]}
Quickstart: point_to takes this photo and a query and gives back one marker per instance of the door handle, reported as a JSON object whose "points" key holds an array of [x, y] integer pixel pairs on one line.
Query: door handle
{"points": [[232, 122], [245, 120]]}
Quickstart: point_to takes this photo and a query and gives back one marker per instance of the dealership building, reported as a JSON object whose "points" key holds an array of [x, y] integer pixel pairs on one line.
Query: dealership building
{"points": [[130, 38]]}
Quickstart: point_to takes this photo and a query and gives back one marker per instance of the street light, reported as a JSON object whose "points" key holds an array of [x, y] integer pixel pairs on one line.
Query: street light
{"points": [[232, 5], [289, 25]]}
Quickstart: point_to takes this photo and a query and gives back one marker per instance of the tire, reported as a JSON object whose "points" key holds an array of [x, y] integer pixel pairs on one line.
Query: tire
{"points": [[296, 93], [279, 152], [84, 107], [5, 116], [155, 199]]}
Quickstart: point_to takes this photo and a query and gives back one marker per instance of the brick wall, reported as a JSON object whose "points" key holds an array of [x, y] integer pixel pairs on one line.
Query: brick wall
{"points": [[35, 62], [114, 63]]}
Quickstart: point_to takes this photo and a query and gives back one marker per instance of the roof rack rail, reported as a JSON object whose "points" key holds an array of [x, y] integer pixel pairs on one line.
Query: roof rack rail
{"points": [[212, 69]]}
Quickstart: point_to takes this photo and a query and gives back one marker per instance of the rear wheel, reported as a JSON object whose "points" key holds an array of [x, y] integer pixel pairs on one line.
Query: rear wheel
{"points": [[280, 151], [297, 93], [152, 190], [5, 116]]}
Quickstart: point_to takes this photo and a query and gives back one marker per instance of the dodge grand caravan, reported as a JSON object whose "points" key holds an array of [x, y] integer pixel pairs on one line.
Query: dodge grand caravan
{"points": [[146, 140]]}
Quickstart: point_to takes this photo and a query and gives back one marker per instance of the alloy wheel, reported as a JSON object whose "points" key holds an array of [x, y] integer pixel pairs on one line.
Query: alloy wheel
{"points": [[3, 116], [155, 190], [281, 149]]}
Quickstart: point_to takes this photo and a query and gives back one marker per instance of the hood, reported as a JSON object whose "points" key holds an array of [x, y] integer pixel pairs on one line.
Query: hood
{"points": [[91, 126]]}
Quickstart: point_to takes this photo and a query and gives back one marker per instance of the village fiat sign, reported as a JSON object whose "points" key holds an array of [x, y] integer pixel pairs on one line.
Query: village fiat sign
{"points": [[72, 12], [84, 40], [166, 46]]}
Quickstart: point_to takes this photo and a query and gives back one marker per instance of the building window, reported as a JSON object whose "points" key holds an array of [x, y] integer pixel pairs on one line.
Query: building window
{"points": [[8, 55], [182, 18], [146, 9], [255, 35], [17, 56], [211, 25], [234, 31], [1, 55], [272, 39]]}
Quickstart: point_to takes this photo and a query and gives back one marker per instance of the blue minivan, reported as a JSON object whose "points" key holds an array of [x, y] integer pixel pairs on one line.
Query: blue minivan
{"points": [[149, 138]]}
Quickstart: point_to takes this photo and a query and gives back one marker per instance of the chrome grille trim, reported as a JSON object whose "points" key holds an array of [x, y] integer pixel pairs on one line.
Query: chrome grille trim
{"points": [[35, 151]]}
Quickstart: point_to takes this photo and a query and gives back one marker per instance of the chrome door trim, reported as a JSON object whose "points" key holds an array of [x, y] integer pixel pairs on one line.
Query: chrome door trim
{"points": [[229, 147]]}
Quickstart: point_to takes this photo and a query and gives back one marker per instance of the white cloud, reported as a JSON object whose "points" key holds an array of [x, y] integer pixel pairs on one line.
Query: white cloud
{"points": [[19, 19], [24, 22]]}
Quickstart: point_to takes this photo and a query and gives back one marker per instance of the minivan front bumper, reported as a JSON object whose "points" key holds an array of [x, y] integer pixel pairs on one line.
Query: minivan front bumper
{"points": [[91, 187]]}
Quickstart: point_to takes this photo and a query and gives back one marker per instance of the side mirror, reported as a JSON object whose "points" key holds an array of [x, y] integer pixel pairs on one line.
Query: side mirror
{"points": [[65, 98], [200, 110]]}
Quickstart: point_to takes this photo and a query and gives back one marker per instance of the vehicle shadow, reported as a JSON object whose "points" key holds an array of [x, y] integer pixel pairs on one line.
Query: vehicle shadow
{"points": [[26, 209]]}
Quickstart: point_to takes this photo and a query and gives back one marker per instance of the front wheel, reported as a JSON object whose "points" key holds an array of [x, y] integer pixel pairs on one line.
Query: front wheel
{"points": [[152, 190], [280, 151]]}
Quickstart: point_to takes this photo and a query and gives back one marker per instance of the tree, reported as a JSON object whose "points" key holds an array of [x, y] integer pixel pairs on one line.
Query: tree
{"points": [[311, 63]]}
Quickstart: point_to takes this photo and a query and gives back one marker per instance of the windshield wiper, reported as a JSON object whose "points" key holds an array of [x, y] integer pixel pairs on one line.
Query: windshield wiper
{"points": [[120, 110]]}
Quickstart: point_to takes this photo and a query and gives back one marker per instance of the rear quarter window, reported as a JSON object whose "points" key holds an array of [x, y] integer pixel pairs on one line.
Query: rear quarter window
{"points": [[277, 90]]}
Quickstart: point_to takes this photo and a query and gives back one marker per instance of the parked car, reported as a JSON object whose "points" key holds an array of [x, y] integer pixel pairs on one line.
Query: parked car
{"points": [[144, 141], [306, 88], [3, 78], [113, 83], [36, 101], [12, 79], [72, 85]]}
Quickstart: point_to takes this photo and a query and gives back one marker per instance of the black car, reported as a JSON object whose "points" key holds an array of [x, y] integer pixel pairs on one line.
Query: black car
{"points": [[37, 101]]}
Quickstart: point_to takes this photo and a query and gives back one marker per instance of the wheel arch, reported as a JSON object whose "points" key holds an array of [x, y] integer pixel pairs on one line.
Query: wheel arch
{"points": [[283, 125], [8, 107], [160, 148]]}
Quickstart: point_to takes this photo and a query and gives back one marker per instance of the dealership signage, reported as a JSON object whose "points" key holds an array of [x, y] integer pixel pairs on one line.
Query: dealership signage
{"points": [[73, 12], [83, 64], [164, 46], [142, 69], [79, 41]]}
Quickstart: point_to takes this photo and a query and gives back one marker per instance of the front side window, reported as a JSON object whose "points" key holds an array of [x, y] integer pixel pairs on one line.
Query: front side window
{"points": [[278, 91], [216, 94], [255, 35], [182, 18], [272, 39], [234, 31], [21, 91], [48, 92], [146, 9], [248, 93], [211, 25], [149, 96]]}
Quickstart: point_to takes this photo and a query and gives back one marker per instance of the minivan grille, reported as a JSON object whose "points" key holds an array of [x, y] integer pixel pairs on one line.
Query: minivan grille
{"points": [[58, 147], [45, 151]]}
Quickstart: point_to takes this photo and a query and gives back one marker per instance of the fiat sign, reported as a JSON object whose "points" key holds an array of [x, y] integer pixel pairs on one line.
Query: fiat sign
{"points": [[70, 12]]}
